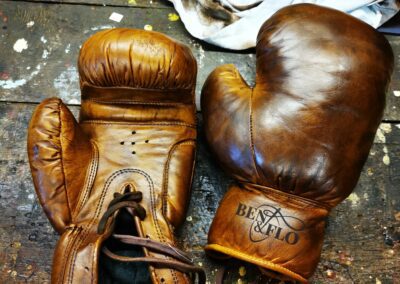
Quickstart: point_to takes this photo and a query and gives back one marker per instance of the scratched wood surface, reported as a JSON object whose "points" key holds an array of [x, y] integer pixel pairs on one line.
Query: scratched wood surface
{"points": [[362, 243]]}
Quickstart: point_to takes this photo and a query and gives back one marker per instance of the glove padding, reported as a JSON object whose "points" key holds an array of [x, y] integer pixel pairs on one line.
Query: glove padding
{"points": [[296, 142], [132, 152]]}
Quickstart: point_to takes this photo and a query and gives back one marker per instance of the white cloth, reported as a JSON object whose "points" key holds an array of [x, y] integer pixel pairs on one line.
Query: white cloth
{"points": [[234, 24]]}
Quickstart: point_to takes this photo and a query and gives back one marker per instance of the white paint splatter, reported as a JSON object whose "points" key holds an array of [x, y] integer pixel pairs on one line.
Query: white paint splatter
{"points": [[386, 127], [398, 126], [97, 28], [20, 45], [354, 199], [201, 56], [43, 39], [396, 93], [28, 68], [116, 17], [148, 27], [385, 149], [12, 84], [30, 24], [45, 54], [67, 85], [68, 48], [30, 196], [386, 160], [25, 207], [380, 136]]}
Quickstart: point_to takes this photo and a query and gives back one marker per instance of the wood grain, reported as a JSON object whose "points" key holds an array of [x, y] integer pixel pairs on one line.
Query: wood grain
{"points": [[362, 238], [362, 243]]}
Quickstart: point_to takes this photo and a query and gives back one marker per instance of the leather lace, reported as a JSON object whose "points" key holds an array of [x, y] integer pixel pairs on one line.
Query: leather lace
{"points": [[181, 261]]}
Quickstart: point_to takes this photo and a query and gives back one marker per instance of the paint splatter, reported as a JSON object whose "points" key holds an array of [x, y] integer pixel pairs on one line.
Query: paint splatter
{"points": [[68, 48], [383, 129], [386, 160], [354, 199], [148, 27], [67, 85], [30, 24], [4, 75], [97, 28], [43, 39], [12, 84], [396, 93], [45, 54], [173, 17], [116, 17], [132, 2], [20, 45]]}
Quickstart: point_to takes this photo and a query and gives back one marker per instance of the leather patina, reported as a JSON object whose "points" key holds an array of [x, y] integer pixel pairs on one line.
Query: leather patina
{"points": [[296, 142], [134, 146]]}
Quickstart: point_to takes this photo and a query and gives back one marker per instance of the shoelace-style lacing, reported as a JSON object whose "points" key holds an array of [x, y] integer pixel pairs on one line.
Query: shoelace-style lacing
{"points": [[181, 262]]}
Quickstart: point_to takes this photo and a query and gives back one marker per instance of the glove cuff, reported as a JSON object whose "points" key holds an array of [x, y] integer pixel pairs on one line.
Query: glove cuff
{"points": [[269, 228], [125, 104]]}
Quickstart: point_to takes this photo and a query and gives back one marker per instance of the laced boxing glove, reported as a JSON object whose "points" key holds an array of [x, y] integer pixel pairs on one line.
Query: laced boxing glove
{"points": [[126, 167], [297, 141]]}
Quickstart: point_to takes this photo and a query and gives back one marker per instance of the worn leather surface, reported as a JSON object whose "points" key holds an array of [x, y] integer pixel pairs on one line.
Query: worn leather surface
{"points": [[296, 142], [136, 131]]}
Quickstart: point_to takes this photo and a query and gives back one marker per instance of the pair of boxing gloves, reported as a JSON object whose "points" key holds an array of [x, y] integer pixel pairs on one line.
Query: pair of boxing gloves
{"points": [[295, 144]]}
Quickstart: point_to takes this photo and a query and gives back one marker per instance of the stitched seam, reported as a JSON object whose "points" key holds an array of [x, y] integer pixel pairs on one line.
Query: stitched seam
{"points": [[143, 89], [97, 212], [131, 102], [166, 170], [293, 198], [71, 241], [139, 123], [62, 164], [89, 178], [165, 187], [251, 133]]}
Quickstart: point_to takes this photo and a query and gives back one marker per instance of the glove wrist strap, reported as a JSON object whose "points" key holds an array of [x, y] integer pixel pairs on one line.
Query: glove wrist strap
{"points": [[271, 229]]}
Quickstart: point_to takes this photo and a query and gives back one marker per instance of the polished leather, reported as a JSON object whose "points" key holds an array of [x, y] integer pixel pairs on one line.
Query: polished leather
{"points": [[296, 142], [136, 132]]}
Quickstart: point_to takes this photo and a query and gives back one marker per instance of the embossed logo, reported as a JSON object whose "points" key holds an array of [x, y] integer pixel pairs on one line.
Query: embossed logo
{"points": [[269, 221]]}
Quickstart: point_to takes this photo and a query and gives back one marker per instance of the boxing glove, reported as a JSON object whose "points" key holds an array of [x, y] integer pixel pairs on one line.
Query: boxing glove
{"points": [[296, 142], [119, 178]]}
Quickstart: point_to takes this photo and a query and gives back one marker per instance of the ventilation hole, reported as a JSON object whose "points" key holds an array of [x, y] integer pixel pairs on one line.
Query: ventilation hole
{"points": [[133, 152], [86, 268], [133, 132], [133, 143], [162, 280], [147, 141], [147, 236], [122, 143]]}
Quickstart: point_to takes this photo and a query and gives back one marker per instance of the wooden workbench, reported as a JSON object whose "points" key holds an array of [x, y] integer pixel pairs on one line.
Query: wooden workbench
{"points": [[363, 233]]}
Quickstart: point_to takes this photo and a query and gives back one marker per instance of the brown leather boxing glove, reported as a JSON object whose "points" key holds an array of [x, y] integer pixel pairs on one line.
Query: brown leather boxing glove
{"points": [[120, 178], [297, 141]]}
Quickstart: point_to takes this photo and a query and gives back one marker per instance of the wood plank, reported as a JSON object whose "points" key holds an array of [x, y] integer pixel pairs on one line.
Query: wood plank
{"points": [[110, 3], [362, 238], [48, 66]]}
